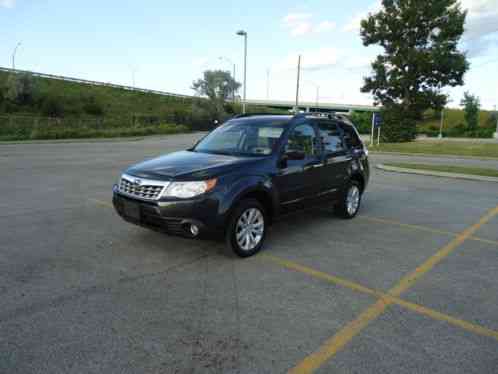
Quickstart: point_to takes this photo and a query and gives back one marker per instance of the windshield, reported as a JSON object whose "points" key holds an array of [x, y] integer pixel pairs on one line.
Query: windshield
{"points": [[243, 138]]}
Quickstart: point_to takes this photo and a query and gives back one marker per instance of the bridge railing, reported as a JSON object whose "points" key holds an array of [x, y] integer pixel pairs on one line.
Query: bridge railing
{"points": [[94, 83]]}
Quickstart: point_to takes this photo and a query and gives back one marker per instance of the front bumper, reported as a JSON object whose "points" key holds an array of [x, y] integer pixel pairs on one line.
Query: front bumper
{"points": [[172, 217]]}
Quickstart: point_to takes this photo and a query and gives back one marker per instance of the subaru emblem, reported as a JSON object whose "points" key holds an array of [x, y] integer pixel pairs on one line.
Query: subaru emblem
{"points": [[138, 182]]}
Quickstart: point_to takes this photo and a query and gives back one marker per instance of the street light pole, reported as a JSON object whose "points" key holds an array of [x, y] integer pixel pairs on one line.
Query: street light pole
{"points": [[496, 133], [440, 136], [297, 83], [244, 34], [317, 96], [14, 56], [268, 84]]}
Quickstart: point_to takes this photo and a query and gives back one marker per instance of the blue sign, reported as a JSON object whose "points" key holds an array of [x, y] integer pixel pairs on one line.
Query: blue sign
{"points": [[377, 120]]}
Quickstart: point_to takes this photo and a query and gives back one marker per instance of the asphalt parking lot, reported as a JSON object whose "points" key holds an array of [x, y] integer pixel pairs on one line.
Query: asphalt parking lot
{"points": [[410, 285]]}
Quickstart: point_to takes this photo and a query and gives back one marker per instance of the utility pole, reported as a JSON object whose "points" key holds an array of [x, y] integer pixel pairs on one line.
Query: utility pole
{"points": [[496, 133], [14, 56], [297, 83], [317, 96], [268, 84], [244, 34], [440, 136]]}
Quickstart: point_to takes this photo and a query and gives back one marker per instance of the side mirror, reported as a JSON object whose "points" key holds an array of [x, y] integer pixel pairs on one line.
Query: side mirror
{"points": [[295, 155]]}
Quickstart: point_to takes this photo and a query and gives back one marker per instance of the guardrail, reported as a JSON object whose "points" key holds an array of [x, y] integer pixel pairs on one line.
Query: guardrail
{"points": [[94, 83]]}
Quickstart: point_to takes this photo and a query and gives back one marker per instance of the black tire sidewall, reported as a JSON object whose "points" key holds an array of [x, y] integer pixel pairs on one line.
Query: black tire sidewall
{"points": [[230, 236], [342, 208]]}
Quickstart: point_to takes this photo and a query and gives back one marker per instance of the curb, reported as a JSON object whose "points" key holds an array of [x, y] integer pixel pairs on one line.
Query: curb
{"points": [[432, 155], [437, 173]]}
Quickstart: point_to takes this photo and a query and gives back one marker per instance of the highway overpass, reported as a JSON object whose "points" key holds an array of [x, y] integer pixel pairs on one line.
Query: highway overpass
{"points": [[310, 106]]}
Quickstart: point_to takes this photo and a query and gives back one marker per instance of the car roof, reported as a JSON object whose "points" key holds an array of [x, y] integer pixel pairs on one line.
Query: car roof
{"points": [[259, 118]]}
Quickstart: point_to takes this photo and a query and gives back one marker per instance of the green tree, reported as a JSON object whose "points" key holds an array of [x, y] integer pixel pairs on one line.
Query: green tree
{"points": [[471, 106], [217, 86], [420, 40], [20, 88]]}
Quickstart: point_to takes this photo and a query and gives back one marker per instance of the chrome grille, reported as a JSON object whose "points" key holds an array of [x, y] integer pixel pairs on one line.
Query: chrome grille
{"points": [[141, 188]]}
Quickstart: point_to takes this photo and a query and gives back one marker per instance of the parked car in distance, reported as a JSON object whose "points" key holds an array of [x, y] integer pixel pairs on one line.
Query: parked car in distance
{"points": [[241, 176]]}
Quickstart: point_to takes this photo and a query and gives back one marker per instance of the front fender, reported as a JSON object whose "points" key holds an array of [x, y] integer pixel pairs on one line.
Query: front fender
{"points": [[246, 185]]}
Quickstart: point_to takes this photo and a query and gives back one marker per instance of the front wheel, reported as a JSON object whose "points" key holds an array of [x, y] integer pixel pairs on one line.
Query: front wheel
{"points": [[349, 205], [246, 229]]}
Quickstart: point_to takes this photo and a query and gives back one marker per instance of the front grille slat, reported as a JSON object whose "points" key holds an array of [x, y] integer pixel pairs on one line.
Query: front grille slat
{"points": [[148, 190]]}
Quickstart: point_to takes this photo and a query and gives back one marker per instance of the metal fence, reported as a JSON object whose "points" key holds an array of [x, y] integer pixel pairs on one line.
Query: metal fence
{"points": [[95, 83]]}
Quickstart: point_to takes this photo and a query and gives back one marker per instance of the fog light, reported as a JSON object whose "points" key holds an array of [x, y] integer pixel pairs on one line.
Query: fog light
{"points": [[194, 230]]}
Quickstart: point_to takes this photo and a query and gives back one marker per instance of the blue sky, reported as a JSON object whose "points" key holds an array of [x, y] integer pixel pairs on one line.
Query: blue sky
{"points": [[168, 46]]}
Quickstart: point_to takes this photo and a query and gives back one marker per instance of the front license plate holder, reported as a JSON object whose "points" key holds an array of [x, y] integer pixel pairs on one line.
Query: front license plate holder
{"points": [[131, 210]]}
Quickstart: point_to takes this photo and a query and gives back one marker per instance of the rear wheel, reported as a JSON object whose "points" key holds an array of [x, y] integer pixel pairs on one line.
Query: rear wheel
{"points": [[350, 202], [246, 229]]}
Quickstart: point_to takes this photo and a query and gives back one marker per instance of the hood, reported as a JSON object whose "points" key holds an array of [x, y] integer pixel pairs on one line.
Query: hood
{"points": [[187, 165]]}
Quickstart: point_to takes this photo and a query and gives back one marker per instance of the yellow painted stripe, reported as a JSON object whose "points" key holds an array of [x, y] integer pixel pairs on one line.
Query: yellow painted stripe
{"points": [[412, 277], [408, 226], [424, 228], [373, 219], [346, 334], [339, 340], [388, 298]]}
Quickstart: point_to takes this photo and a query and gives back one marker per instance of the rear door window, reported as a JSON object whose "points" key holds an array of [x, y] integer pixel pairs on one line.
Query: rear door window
{"points": [[331, 137]]}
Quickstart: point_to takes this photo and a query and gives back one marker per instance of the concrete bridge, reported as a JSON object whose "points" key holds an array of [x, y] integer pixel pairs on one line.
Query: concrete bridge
{"points": [[309, 106]]}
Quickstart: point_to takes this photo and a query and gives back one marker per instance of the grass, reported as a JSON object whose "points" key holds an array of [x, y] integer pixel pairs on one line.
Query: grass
{"points": [[452, 148], [447, 169]]}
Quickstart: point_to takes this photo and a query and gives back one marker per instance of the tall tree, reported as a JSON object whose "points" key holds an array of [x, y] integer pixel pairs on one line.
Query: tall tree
{"points": [[471, 106], [218, 86], [420, 40]]}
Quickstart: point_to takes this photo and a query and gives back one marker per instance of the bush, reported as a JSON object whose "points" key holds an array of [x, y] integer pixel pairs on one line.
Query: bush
{"points": [[53, 106], [62, 132]]}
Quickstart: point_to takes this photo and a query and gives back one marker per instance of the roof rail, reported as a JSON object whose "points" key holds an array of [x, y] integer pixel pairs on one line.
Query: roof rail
{"points": [[243, 115], [331, 115]]}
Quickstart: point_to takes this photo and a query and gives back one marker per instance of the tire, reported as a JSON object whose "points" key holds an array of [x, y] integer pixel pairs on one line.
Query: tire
{"points": [[249, 215], [350, 201]]}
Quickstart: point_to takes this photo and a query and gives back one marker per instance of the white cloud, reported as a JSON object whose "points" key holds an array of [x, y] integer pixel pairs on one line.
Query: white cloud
{"points": [[482, 17], [292, 18], [354, 23], [7, 3], [300, 24]]}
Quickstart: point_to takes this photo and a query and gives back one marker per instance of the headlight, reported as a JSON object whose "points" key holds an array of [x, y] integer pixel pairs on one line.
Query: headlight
{"points": [[184, 190]]}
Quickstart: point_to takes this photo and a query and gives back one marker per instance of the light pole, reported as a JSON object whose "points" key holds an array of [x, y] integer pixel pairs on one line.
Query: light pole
{"points": [[233, 73], [133, 72], [14, 55], [317, 97], [297, 83], [440, 136], [496, 133], [268, 84], [244, 34]]}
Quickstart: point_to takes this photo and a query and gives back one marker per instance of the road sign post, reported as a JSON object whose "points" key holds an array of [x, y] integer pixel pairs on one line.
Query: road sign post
{"points": [[376, 123], [373, 127]]}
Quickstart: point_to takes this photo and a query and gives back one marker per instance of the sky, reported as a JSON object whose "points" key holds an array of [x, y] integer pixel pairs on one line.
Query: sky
{"points": [[165, 45]]}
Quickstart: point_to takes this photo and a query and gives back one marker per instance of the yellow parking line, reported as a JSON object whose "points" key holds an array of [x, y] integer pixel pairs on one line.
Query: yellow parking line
{"points": [[348, 332], [424, 228], [383, 296], [373, 219]]}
